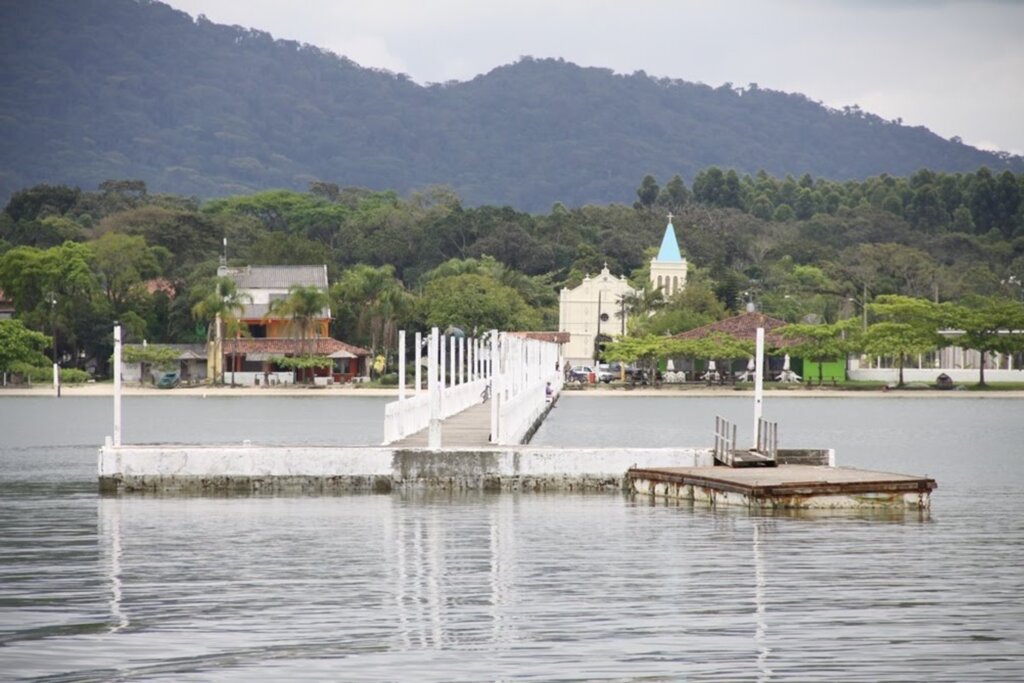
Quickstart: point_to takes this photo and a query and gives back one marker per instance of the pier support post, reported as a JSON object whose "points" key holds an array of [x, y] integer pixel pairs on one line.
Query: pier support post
{"points": [[117, 385]]}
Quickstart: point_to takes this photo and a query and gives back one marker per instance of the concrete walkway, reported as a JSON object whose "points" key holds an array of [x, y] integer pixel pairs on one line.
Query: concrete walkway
{"points": [[469, 429]]}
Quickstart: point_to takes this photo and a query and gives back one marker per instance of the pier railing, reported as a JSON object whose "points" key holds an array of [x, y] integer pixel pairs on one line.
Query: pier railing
{"points": [[725, 439], [458, 370], [510, 369], [767, 438], [525, 368]]}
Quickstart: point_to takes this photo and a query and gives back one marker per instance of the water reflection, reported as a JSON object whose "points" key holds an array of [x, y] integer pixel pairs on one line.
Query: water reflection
{"points": [[764, 673], [109, 537], [529, 587]]}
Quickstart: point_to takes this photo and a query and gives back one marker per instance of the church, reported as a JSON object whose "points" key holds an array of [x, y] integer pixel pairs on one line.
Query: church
{"points": [[596, 310]]}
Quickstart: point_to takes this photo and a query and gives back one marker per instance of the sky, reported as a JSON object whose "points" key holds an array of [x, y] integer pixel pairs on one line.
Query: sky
{"points": [[953, 66]]}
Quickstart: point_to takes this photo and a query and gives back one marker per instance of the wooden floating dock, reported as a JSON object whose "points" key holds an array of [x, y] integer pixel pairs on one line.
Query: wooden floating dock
{"points": [[785, 487]]}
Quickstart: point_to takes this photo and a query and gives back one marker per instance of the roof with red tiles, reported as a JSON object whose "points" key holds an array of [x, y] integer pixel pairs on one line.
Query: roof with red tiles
{"points": [[743, 327], [553, 337], [318, 346]]}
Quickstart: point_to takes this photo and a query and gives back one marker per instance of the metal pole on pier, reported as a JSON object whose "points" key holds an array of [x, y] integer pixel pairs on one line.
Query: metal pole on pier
{"points": [[117, 385], [758, 382]]}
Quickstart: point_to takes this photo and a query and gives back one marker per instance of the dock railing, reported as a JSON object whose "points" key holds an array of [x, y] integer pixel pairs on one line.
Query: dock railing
{"points": [[725, 439], [767, 438], [461, 371], [526, 366]]}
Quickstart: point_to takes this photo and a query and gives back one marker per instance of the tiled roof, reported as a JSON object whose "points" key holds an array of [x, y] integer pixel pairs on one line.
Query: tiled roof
{"points": [[743, 327], [319, 346], [554, 337], [185, 351], [279, 277]]}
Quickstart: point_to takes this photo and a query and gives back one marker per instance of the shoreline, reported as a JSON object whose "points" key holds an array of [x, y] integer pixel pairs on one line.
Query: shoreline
{"points": [[668, 391]]}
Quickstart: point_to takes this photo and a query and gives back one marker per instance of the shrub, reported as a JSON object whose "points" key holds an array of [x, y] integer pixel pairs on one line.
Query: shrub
{"points": [[44, 374]]}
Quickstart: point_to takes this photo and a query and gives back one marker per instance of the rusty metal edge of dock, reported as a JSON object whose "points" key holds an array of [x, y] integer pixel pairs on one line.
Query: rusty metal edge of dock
{"points": [[921, 484]]}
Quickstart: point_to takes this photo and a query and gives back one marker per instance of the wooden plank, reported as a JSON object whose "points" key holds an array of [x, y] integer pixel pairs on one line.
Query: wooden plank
{"points": [[470, 428]]}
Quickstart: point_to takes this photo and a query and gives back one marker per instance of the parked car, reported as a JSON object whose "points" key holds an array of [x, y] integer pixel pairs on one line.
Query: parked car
{"points": [[168, 380], [581, 373], [606, 374]]}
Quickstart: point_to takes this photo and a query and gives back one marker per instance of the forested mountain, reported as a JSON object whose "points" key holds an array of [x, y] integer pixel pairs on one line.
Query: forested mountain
{"points": [[98, 89]]}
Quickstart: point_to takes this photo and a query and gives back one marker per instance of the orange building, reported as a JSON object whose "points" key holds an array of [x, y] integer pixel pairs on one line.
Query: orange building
{"points": [[250, 353]]}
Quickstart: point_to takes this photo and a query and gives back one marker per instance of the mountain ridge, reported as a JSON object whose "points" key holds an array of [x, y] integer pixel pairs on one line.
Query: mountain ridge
{"points": [[103, 89]]}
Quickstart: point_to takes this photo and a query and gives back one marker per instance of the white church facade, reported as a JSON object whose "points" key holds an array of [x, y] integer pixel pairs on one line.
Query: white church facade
{"points": [[596, 310]]}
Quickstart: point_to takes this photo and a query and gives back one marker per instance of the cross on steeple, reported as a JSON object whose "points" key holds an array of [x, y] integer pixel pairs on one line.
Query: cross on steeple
{"points": [[669, 216]]}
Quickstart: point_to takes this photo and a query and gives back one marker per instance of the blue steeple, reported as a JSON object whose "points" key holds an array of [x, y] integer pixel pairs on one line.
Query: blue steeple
{"points": [[669, 252]]}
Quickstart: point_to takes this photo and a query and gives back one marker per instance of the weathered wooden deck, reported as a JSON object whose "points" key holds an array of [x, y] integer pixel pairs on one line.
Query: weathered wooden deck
{"points": [[469, 429], [785, 486]]}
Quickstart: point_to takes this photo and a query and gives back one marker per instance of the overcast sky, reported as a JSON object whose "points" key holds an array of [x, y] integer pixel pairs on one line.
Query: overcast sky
{"points": [[954, 66]]}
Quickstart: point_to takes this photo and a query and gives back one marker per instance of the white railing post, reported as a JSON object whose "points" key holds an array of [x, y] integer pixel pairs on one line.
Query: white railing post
{"points": [[117, 385], [401, 365], [495, 380], [419, 349], [758, 381], [434, 392], [462, 360]]}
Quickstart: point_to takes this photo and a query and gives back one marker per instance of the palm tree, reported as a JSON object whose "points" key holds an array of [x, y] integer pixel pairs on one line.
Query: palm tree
{"points": [[639, 307], [374, 301], [305, 306], [222, 306]]}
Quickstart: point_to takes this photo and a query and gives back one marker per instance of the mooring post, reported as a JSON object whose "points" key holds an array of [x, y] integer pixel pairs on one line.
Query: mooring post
{"points": [[401, 365], [433, 391], [758, 382], [117, 385]]}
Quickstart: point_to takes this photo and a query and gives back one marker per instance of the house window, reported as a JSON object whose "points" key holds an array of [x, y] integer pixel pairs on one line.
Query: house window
{"points": [[258, 331]]}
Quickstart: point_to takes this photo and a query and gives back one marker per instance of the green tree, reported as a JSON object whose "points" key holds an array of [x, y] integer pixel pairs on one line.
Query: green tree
{"points": [[675, 195], [990, 325], [909, 327], [647, 193], [646, 350], [371, 303], [221, 306], [18, 344], [304, 305], [123, 263], [476, 302], [820, 343], [717, 346], [151, 354]]}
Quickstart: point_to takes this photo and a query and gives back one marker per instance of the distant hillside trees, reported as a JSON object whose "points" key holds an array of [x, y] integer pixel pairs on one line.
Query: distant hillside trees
{"points": [[98, 89]]}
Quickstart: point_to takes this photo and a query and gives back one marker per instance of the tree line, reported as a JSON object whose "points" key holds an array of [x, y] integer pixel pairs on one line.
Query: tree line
{"points": [[805, 250]]}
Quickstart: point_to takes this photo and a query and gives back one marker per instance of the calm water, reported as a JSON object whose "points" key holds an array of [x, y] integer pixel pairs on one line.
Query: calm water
{"points": [[501, 587]]}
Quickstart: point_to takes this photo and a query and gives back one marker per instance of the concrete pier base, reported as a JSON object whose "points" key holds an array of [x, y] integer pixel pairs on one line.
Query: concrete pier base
{"points": [[322, 470]]}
